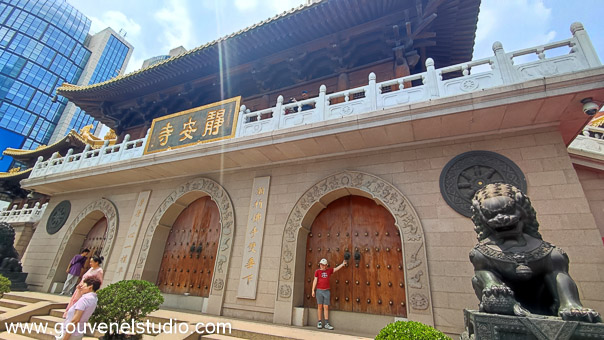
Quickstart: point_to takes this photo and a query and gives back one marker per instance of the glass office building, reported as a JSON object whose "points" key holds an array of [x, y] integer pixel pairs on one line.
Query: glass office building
{"points": [[110, 64], [44, 43]]}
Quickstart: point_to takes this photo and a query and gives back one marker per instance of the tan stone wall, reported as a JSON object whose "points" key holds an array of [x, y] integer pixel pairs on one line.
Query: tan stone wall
{"points": [[592, 182], [553, 186]]}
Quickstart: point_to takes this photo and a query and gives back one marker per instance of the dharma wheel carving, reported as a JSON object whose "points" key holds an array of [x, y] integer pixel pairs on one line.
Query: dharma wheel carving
{"points": [[467, 173], [58, 217]]}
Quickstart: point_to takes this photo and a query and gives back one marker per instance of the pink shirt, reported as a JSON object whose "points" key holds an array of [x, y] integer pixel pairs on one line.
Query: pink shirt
{"points": [[87, 304]]}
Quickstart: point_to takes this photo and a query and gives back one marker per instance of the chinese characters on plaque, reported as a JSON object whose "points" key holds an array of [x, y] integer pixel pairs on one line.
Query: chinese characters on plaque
{"points": [[253, 239], [195, 126], [135, 225]]}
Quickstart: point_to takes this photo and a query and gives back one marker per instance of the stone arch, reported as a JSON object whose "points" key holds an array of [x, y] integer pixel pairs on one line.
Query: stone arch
{"points": [[77, 231], [313, 201], [157, 231]]}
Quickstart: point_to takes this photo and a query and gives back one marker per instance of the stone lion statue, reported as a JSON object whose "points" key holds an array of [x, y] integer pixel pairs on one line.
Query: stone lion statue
{"points": [[516, 272], [9, 258]]}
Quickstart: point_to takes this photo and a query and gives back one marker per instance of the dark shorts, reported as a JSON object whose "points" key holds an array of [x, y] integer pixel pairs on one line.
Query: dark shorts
{"points": [[323, 296]]}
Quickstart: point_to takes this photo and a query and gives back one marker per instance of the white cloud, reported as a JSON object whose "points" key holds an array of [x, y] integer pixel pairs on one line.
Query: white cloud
{"points": [[176, 25], [116, 20], [246, 5], [505, 21]]}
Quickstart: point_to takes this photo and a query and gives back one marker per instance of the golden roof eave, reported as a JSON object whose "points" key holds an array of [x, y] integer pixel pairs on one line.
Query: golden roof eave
{"points": [[66, 87], [21, 152], [598, 122], [16, 174]]}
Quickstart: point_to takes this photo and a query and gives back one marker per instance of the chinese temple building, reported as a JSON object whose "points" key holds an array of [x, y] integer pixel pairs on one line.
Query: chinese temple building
{"points": [[26, 207], [340, 128]]}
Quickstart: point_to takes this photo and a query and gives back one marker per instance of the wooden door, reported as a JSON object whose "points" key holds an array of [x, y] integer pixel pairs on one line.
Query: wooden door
{"points": [[95, 240], [375, 282], [190, 252]]}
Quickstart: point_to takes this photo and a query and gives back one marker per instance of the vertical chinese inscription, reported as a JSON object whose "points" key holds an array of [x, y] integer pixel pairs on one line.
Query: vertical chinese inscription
{"points": [[250, 265], [129, 242]]}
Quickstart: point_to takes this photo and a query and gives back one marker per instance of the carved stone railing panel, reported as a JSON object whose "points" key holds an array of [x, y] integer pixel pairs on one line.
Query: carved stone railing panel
{"points": [[24, 215]]}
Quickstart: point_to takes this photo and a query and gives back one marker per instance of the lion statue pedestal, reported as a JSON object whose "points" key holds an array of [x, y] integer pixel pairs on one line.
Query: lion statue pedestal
{"points": [[10, 267], [518, 277]]}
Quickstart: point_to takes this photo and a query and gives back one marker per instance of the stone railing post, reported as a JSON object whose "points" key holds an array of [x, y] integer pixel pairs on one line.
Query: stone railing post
{"points": [[321, 105], [51, 168], [504, 65], [277, 113], [66, 159], [585, 44], [83, 156], [37, 168], [102, 152], [123, 147], [240, 121], [431, 79], [372, 92]]}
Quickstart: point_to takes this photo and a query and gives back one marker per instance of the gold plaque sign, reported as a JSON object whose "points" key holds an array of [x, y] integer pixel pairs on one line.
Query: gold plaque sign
{"points": [[202, 124]]}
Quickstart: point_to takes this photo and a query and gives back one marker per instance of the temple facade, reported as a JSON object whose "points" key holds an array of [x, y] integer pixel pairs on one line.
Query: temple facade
{"points": [[241, 163]]}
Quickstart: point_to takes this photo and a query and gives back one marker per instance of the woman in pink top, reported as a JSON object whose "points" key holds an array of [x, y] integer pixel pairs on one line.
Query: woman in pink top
{"points": [[95, 271]]}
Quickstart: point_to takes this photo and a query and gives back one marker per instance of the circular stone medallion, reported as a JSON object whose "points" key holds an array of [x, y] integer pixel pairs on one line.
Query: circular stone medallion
{"points": [[470, 171], [58, 217]]}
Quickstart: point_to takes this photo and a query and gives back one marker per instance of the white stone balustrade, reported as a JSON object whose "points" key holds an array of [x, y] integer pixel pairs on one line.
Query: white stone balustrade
{"points": [[590, 143], [89, 157], [24, 215], [434, 83], [500, 69]]}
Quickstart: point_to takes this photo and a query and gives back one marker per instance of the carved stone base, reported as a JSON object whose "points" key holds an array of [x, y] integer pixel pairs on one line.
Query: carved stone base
{"points": [[484, 326], [17, 280]]}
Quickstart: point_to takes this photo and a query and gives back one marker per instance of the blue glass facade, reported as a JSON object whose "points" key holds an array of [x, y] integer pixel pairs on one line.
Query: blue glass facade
{"points": [[109, 66], [41, 46]]}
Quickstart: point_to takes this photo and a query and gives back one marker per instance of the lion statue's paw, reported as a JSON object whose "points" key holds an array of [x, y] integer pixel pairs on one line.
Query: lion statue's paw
{"points": [[580, 314], [498, 299]]}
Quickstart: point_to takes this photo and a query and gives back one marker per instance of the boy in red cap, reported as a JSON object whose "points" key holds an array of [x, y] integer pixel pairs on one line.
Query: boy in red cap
{"points": [[321, 285]]}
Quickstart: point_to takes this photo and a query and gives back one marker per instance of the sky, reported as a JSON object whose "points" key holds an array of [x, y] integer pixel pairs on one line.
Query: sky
{"points": [[154, 27]]}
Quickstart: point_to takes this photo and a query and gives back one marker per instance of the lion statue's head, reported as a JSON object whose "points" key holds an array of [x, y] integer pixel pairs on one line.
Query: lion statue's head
{"points": [[7, 235], [502, 208]]}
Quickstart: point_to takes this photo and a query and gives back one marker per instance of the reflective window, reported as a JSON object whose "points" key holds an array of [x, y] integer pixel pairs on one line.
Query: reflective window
{"points": [[41, 46]]}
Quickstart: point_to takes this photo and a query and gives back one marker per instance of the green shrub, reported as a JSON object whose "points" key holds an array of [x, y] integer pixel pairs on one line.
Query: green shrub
{"points": [[410, 330], [4, 285], [125, 301]]}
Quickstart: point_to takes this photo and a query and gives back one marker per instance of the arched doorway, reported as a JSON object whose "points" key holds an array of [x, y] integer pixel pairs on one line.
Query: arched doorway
{"points": [[95, 240], [373, 281], [93, 216], [155, 239], [190, 253], [292, 268]]}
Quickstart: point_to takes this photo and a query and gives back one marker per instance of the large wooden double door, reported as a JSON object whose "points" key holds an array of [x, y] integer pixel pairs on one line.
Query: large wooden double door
{"points": [[373, 280], [95, 241], [188, 260]]}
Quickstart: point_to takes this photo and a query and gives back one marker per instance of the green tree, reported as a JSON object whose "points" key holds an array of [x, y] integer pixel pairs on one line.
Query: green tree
{"points": [[125, 301], [410, 330], [4, 285]]}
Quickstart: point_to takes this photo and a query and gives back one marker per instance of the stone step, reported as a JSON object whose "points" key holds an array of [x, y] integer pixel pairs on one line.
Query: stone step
{"points": [[20, 297], [57, 312], [12, 304], [219, 337], [4, 309], [13, 336], [51, 321]]}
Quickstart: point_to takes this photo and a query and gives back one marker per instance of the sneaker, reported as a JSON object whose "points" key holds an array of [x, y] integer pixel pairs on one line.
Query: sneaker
{"points": [[328, 326], [319, 325]]}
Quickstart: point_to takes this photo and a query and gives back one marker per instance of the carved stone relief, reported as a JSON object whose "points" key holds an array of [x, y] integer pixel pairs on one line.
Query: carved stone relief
{"points": [[406, 220]]}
